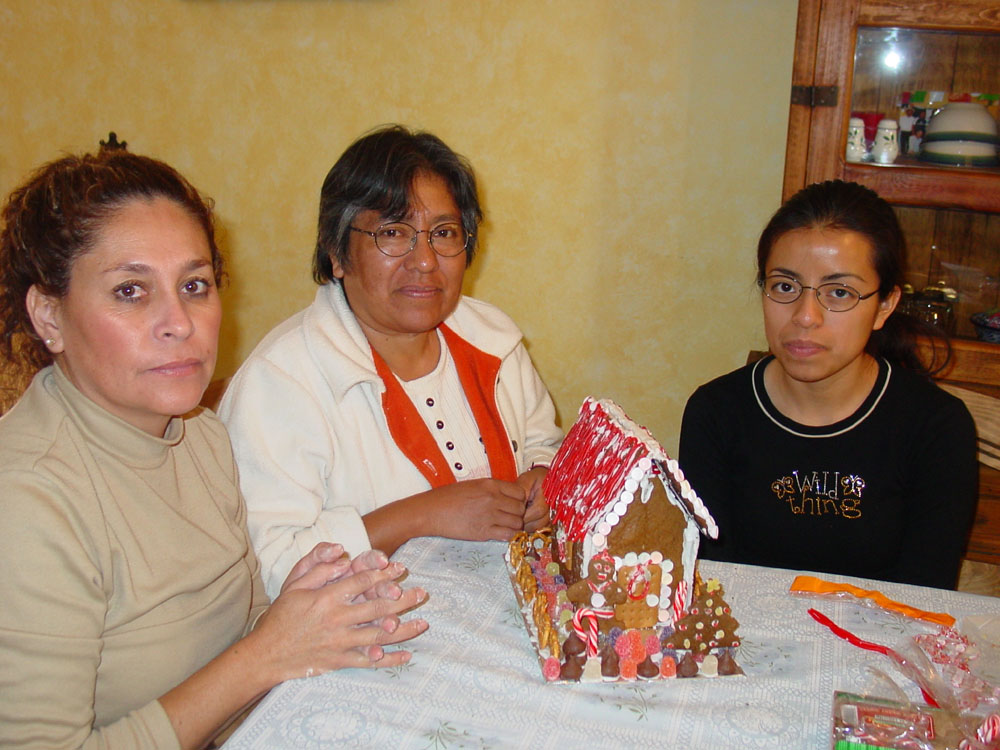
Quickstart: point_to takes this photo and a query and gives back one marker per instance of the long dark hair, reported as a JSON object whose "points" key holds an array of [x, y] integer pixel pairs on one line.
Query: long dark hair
{"points": [[376, 173], [836, 204], [57, 214]]}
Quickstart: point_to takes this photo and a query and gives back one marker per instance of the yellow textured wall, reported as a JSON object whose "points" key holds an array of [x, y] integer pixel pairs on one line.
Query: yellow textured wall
{"points": [[628, 152]]}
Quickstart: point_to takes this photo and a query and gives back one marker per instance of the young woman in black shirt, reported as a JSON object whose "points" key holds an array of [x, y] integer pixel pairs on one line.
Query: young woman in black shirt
{"points": [[836, 452]]}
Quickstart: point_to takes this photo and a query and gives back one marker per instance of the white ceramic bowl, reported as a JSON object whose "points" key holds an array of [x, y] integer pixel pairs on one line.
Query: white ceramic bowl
{"points": [[960, 148], [959, 153], [962, 118]]}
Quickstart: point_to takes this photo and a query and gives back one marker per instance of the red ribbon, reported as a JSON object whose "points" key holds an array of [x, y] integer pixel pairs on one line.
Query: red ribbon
{"points": [[867, 645]]}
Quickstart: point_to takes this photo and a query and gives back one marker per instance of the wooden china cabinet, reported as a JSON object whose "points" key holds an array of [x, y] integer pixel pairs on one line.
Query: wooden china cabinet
{"points": [[894, 59]]}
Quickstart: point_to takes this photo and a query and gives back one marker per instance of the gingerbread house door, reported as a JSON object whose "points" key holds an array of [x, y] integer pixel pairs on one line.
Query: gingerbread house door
{"points": [[641, 584]]}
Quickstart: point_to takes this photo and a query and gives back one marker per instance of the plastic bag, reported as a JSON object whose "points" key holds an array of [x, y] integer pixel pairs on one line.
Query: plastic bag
{"points": [[862, 720], [957, 671]]}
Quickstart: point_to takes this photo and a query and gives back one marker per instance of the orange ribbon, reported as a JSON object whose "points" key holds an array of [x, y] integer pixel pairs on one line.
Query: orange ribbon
{"points": [[813, 585]]}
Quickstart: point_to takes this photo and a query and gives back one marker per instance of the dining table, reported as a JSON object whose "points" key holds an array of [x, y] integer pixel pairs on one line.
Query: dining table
{"points": [[474, 679]]}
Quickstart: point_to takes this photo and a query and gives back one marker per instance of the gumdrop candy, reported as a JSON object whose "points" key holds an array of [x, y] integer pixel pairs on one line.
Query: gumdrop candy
{"points": [[551, 669], [629, 670], [668, 667]]}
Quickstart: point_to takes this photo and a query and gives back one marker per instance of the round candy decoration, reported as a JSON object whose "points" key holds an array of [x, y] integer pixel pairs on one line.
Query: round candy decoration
{"points": [[551, 669]]}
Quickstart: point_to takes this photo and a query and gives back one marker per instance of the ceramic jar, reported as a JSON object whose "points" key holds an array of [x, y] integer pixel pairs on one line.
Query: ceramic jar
{"points": [[856, 150], [886, 146]]}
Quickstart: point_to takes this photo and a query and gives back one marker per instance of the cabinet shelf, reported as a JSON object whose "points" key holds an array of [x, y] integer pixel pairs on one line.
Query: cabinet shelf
{"points": [[911, 183]]}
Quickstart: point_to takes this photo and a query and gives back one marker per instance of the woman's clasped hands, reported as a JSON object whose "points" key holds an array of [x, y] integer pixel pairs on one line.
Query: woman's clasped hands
{"points": [[482, 509], [334, 612]]}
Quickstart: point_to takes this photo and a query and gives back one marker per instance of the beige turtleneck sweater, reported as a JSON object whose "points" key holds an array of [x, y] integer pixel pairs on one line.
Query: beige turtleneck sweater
{"points": [[125, 566]]}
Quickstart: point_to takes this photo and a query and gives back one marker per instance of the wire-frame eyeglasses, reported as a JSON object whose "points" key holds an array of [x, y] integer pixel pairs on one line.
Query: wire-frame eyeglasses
{"points": [[397, 238]]}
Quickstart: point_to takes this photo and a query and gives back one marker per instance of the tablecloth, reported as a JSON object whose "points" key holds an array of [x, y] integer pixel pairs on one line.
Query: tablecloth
{"points": [[474, 680]]}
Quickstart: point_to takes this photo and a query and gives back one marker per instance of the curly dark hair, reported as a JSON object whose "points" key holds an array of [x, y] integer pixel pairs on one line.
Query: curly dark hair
{"points": [[57, 215], [376, 173], [837, 204]]}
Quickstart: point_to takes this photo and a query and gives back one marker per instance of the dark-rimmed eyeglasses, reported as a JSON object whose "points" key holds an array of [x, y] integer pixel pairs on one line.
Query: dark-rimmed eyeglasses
{"points": [[834, 297], [397, 238]]}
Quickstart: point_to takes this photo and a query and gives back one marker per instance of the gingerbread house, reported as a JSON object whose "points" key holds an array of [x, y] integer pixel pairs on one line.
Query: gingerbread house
{"points": [[616, 497], [612, 591]]}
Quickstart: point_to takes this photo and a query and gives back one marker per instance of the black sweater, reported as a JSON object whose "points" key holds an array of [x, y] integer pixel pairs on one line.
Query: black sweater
{"points": [[888, 493]]}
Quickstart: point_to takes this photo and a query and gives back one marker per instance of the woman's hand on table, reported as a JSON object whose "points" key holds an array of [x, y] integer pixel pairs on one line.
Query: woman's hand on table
{"points": [[325, 563], [328, 562], [375, 559], [476, 510], [317, 625], [536, 508], [332, 613]]}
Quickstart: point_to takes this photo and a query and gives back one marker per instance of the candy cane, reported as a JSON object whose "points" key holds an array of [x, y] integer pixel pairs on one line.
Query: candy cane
{"points": [[590, 636], [679, 596], [989, 730], [987, 734]]}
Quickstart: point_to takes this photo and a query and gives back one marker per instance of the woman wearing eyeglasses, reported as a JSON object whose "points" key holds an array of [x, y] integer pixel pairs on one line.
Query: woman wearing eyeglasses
{"points": [[392, 407], [836, 452]]}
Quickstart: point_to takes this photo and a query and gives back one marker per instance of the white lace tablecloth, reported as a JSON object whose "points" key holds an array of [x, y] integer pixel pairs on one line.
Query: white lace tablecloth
{"points": [[474, 680]]}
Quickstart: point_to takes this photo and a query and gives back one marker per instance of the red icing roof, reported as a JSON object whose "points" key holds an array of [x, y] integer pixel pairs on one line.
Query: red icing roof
{"points": [[589, 471]]}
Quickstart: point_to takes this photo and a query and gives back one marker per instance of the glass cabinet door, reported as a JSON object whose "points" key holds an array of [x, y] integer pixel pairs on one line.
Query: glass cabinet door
{"points": [[937, 95], [937, 92], [882, 59]]}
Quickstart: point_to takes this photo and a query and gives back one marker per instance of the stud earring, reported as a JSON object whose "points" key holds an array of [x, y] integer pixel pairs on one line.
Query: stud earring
{"points": [[50, 342]]}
